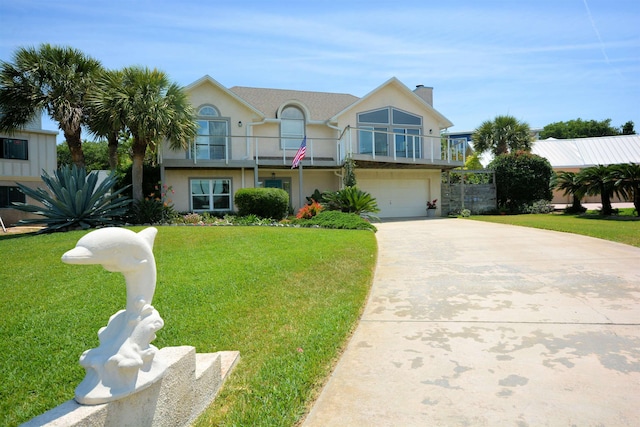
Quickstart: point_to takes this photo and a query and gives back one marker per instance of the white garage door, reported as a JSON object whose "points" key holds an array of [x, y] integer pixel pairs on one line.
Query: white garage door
{"points": [[398, 196]]}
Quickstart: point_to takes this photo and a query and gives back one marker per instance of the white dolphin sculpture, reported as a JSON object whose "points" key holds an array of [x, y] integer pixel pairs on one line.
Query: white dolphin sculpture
{"points": [[124, 361], [123, 251]]}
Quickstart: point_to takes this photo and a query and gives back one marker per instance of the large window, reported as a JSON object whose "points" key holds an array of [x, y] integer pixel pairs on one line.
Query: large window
{"points": [[211, 142], [382, 130], [8, 195], [211, 194], [291, 128], [14, 149]]}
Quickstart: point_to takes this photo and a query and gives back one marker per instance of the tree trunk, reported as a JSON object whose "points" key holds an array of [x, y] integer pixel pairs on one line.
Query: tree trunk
{"points": [[75, 147], [577, 205], [139, 148], [605, 197], [112, 139], [636, 199]]}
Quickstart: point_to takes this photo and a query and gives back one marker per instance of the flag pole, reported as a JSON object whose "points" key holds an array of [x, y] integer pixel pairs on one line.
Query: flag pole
{"points": [[301, 189]]}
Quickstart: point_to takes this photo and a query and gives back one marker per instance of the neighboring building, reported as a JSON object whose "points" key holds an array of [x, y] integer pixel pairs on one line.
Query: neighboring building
{"points": [[249, 136], [24, 154], [572, 155]]}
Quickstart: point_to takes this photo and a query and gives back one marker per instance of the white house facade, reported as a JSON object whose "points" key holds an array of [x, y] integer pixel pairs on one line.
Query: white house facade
{"points": [[24, 154], [248, 137]]}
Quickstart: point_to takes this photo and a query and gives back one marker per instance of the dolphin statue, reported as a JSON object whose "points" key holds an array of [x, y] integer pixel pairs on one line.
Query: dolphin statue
{"points": [[124, 361], [124, 251]]}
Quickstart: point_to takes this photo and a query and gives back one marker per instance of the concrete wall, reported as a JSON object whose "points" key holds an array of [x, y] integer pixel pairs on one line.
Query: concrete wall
{"points": [[188, 386]]}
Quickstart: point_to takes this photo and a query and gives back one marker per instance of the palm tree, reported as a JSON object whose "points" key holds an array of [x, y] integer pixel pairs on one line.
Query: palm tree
{"points": [[502, 135], [627, 182], [571, 184], [54, 79], [106, 117], [599, 180], [151, 108]]}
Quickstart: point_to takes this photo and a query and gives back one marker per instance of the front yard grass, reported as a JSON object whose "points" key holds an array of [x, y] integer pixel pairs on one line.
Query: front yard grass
{"points": [[286, 298], [622, 229]]}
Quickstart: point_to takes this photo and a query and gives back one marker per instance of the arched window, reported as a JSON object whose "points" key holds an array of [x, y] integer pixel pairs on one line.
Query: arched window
{"points": [[211, 142], [292, 127]]}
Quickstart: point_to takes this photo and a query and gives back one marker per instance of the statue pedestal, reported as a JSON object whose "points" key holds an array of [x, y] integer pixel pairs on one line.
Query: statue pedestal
{"points": [[187, 387]]}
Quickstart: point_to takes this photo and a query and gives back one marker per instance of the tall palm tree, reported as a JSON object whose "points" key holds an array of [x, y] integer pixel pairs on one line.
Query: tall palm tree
{"points": [[599, 180], [627, 182], [106, 117], [502, 135], [151, 108], [53, 79], [571, 183]]}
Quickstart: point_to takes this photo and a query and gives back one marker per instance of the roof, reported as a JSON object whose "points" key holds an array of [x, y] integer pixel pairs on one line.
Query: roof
{"points": [[321, 105], [583, 152]]}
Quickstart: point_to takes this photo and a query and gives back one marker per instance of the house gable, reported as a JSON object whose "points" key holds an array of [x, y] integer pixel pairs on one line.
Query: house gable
{"points": [[393, 93], [207, 91]]}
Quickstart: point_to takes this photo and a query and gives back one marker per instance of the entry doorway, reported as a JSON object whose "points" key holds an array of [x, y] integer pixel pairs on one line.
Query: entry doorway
{"points": [[281, 183]]}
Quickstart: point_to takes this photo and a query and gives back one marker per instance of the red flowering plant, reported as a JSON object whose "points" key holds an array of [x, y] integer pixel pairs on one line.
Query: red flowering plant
{"points": [[309, 211], [432, 204]]}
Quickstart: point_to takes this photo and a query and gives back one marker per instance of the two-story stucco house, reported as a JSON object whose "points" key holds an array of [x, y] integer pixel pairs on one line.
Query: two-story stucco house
{"points": [[249, 136], [24, 154]]}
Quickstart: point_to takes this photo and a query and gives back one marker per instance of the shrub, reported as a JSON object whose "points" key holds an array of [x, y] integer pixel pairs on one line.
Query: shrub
{"points": [[522, 178], [263, 202], [349, 179], [465, 213], [352, 200], [539, 207], [192, 218], [317, 196], [151, 211], [309, 211], [76, 201], [336, 219]]}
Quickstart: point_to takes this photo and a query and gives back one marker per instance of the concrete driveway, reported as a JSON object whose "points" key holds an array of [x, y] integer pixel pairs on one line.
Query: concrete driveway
{"points": [[478, 324]]}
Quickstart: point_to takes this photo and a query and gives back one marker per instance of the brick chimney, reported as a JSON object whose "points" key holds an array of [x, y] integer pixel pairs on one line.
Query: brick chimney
{"points": [[425, 93]]}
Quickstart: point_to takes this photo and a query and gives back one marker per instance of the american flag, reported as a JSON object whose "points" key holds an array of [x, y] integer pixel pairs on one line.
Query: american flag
{"points": [[299, 154]]}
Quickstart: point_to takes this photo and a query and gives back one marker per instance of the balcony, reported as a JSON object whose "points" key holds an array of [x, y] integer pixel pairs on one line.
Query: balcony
{"points": [[388, 149]]}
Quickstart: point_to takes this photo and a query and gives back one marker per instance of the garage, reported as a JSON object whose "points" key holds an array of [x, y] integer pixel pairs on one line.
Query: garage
{"points": [[400, 194]]}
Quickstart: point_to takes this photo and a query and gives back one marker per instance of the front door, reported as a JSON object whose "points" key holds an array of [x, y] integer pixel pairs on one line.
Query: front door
{"points": [[281, 183]]}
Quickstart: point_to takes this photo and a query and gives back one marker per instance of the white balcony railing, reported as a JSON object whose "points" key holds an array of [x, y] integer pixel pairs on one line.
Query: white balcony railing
{"points": [[385, 147]]}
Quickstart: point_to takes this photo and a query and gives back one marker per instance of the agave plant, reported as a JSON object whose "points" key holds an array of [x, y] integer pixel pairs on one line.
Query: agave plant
{"points": [[76, 201]]}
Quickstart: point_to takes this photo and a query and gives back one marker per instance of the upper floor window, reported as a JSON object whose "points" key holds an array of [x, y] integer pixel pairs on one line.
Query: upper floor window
{"points": [[14, 149], [292, 128], [8, 195], [211, 141], [383, 129]]}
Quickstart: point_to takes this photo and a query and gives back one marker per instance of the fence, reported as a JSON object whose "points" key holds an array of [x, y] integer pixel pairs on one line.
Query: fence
{"points": [[468, 189]]}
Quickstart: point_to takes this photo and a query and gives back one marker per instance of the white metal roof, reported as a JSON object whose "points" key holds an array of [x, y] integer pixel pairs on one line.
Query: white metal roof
{"points": [[583, 152]]}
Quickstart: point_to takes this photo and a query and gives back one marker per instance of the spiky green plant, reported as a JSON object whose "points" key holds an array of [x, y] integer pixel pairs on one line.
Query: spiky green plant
{"points": [[353, 200], [75, 201]]}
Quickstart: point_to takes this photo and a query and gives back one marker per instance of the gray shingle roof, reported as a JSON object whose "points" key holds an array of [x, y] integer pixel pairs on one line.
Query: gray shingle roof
{"points": [[582, 152], [321, 105]]}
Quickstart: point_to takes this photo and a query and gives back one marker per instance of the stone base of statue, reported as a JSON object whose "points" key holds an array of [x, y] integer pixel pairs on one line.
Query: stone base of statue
{"points": [[186, 387]]}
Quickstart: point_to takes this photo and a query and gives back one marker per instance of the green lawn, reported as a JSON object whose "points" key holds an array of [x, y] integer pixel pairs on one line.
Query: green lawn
{"points": [[286, 298], [623, 229]]}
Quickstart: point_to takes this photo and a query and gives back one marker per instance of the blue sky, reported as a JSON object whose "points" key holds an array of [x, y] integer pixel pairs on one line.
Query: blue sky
{"points": [[541, 61]]}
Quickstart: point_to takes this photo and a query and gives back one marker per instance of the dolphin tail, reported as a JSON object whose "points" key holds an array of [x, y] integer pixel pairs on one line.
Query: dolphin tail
{"points": [[148, 235]]}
